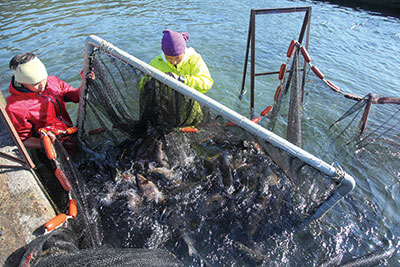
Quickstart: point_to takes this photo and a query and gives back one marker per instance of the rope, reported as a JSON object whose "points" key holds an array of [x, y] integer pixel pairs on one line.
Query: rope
{"points": [[377, 129], [339, 173]]}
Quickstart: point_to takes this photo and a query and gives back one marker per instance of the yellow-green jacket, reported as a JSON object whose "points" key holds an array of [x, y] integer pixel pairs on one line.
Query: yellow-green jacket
{"points": [[192, 67], [188, 112]]}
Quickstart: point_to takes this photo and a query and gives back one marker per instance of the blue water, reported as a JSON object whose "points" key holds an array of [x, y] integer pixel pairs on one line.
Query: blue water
{"points": [[356, 49]]}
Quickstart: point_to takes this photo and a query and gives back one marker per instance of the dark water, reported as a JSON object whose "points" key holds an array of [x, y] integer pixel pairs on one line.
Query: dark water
{"points": [[356, 49]]}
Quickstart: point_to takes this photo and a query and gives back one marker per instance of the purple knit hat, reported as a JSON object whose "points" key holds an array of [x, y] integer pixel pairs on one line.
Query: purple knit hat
{"points": [[174, 43]]}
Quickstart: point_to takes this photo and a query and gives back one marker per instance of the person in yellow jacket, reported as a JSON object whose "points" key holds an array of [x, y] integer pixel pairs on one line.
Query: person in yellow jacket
{"points": [[187, 66], [181, 62]]}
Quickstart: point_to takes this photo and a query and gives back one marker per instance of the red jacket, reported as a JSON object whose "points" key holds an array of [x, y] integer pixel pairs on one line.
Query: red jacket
{"points": [[31, 111]]}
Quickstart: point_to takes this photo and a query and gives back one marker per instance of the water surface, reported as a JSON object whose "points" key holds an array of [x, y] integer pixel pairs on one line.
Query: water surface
{"points": [[356, 49]]}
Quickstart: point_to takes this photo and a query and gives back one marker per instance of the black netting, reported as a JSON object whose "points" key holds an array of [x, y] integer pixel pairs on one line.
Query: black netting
{"points": [[86, 225], [206, 197], [219, 196], [122, 102], [61, 248], [111, 257], [166, 109]]}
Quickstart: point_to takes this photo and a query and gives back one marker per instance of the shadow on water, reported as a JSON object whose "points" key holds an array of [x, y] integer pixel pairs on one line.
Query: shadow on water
{"points": [[381, 8]]}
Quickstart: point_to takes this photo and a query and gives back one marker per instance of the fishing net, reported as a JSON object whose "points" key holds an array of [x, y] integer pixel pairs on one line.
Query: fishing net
{"points": [[81, 232], [207, 197], [307, 98], [123, 102], [61, 248], [86, 225]]}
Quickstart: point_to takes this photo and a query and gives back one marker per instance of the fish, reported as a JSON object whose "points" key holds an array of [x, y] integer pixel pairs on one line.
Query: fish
{"points": [[160, 157], [226, 169], [272, 179], [149, 189], [249, 255], [134, 199], [191, 249], [165, 174]]}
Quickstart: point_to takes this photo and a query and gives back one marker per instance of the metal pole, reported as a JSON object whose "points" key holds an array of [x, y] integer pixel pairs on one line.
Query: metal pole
{"points": [[246, 59], [364, 118], [307, 21], [253, 55]]}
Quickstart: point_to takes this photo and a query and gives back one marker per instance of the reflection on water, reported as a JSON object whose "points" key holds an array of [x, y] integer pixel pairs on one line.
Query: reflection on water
{"points": [[354, 48]]}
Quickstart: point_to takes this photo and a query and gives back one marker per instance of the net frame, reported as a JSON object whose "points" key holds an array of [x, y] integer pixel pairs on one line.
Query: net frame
{"points": [[346, 182]]}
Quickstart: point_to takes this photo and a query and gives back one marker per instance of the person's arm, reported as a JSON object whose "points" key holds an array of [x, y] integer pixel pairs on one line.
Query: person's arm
{"points": [[72, 94], [200, 78], [21, 125]]}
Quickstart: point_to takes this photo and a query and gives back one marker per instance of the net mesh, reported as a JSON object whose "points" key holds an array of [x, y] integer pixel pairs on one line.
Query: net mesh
{"points": [[86, 225], [234, 186]]}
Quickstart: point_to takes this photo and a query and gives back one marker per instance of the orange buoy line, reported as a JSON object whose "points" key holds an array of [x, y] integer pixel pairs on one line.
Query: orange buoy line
{"points": [[320, 75], [282, 71], [63, 180], [47, 142], [189, 130], [61, 218]]}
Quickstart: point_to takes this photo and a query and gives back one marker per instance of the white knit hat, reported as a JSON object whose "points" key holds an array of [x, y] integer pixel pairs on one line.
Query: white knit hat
{"points": [[30, 72]]}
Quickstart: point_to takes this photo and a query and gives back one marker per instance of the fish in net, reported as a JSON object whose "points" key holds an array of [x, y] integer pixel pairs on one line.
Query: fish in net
{"points": [[221, 196], [171, 189]]}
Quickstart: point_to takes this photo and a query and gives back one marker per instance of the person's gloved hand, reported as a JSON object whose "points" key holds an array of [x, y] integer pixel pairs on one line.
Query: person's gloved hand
{"points": [[173, 75], [52, 136]]}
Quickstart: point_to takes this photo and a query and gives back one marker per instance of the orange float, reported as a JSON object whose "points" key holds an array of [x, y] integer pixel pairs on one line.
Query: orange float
{"points": [[256, 119], [71, 130], [57, 131], [282, 71], [48, 147], [278, 93], [72, 208], [63, 180], [291, 48], [96, 131], [55, 222], [318, 72], [266, 111], [305, 54], [189, 130], [332, 85]]}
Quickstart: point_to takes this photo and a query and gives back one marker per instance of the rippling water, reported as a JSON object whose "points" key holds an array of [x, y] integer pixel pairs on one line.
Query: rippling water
{"points": [[356, 49]]}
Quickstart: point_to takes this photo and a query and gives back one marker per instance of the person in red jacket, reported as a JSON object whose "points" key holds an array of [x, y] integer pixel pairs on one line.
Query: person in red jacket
{"points": [[37, 100]]}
